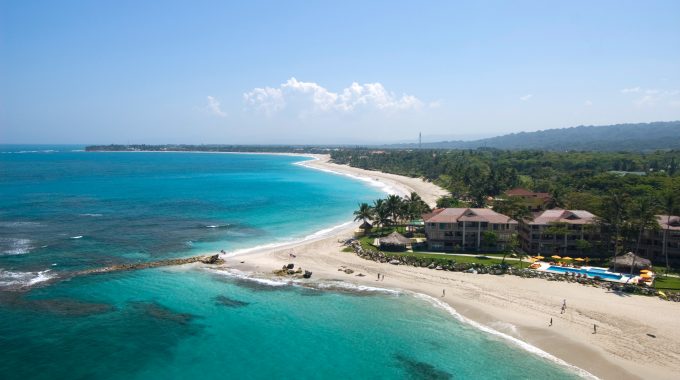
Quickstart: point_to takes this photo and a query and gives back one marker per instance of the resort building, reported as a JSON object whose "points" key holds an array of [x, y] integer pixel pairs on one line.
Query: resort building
{"points": [[652, 241], [563, 232], [468, 229], [533, 201]]}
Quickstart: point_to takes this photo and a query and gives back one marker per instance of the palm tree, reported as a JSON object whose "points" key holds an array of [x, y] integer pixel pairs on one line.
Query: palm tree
{"points": [[380, 213], [643, 218], [513, 207], [395, 207], [512, 245], [364, 213], [556, 198], [614, 215], [415, 206], [670, 203]]}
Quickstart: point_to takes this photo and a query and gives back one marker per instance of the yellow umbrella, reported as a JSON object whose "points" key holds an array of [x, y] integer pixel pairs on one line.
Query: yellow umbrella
{"points": [[556, 257], [539, 257], [646, 275], [579, 259], [645, 271], [567, 258]]}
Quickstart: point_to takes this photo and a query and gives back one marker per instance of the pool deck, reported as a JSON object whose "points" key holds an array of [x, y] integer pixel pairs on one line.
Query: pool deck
{"points": [[544, 267]]}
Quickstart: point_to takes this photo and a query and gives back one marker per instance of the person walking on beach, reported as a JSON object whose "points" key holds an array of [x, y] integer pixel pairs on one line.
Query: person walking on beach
{"points": [[594, 328], [443, 292], [550, 323], [378, 277], [564, 306]]}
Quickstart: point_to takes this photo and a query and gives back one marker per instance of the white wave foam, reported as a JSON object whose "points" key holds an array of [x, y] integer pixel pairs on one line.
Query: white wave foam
{"points": [[290, 242], [16, 246], [88, 214], [524, 345], [77, 237], [384, 187], [23, 279], [354, 287], [19, 224], [244, 276], [218, 225], [31, 151]]}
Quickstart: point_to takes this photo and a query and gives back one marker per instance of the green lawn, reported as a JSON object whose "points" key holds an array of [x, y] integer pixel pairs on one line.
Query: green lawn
{"points": [[459, 258], [662, 282]]}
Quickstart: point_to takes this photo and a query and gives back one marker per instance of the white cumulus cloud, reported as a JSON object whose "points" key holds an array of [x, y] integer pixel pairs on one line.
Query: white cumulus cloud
{"points": [[308, 97], [630, 90], [214, 107], [526, 97], [652, 97]]}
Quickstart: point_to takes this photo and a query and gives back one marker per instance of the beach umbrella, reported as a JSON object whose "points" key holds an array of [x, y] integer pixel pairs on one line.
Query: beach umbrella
{"points": [[646, 275], [556, 257], [645, 271], [567, 258], [539, 257], [579, 259]]}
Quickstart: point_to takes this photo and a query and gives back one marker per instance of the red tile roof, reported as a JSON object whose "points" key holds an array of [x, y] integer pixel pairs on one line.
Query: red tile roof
{"points": [[521, 192], [563, 216], [664, 223], [454, 215]]}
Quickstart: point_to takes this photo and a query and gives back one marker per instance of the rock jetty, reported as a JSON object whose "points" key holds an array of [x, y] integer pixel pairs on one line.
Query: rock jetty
{"points": [[211, 259]]}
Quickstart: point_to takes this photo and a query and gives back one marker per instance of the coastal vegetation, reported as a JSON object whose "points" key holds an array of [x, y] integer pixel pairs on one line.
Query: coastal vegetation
{"points": [[393, 210], [625, 190]]}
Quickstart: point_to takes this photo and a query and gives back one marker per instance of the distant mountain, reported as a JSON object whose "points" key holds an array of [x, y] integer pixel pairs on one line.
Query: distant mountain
{"points": [[619, 137]]}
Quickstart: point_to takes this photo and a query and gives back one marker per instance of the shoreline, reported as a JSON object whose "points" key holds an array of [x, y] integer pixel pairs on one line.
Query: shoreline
{"points": [[515, 307]]}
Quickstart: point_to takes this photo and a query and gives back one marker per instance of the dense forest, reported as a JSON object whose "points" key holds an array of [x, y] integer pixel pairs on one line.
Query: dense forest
{"points": [[620, 137], [625, 190]]}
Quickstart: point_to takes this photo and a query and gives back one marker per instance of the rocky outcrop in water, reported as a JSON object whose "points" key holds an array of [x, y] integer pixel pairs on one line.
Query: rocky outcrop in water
{"points": [[213, 260], [289, 271]]}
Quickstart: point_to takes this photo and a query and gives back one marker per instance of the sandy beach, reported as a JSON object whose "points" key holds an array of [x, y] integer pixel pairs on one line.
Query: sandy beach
{"points": [[517, 307]]}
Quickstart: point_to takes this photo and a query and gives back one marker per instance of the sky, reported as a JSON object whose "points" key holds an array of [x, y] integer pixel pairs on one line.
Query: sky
{"points": [[322, 72]]}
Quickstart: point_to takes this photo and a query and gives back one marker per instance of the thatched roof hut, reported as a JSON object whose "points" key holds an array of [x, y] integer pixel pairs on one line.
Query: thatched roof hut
{"points": [[394, 242], [625, 261], [365, 225]]}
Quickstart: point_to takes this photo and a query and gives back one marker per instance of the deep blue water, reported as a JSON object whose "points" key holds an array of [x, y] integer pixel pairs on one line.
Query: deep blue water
{"points": [[63, 209]]}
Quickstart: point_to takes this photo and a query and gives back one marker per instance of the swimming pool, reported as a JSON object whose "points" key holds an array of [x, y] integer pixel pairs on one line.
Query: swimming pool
{"points": [[591, 272]]}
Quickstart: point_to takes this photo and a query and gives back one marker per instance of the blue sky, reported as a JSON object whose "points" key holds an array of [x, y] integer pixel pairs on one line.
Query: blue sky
{"points": [[322, 72]]}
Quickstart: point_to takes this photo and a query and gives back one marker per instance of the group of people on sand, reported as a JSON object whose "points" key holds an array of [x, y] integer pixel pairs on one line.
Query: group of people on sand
{"points": [[381, 277]]}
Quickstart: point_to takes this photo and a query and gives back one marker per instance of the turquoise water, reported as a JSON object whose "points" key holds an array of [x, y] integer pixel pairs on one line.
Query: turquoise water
{"points": [[179, 323], [588, 272]]}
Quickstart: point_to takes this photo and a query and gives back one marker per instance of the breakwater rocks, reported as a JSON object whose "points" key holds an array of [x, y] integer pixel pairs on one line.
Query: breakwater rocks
{"points": [[450, 264], [290, 271], [211, 259]]}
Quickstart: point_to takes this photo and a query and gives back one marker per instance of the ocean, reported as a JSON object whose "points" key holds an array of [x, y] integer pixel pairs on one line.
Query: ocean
{"points": [[63, 209]]}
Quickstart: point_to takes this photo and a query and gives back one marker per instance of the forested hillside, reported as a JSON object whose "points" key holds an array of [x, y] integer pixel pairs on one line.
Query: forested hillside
{"points": [[621, 137]]}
